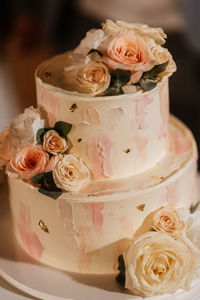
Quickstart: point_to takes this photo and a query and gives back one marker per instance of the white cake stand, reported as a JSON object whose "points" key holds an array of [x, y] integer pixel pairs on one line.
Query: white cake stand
{"points": [[43, 282]]}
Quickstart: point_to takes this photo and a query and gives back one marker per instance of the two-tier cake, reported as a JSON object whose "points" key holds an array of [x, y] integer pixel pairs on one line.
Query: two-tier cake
{"points": [[99, 174]]}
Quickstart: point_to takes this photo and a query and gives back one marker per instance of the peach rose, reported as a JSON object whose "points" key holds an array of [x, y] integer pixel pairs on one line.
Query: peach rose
{"points": [[157, 263], [128, 51], [70, 173], [167, 219], [27, 162], [6, 146], [54, 143], [93, 78]]}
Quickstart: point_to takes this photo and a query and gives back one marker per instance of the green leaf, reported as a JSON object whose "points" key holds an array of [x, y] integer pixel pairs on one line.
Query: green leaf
{"points": [[193, 208], [113, 91], [118, 79], [121, 279], [63, 128], [37, 179], [47, 185], [121, 276], [95, 50], [40, 134], [148, 84], [52, 194], [121, 266], [153, 73]]}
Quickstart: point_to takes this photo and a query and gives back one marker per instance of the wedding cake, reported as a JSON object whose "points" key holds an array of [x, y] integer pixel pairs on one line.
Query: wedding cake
{"points": [[101, 178]]}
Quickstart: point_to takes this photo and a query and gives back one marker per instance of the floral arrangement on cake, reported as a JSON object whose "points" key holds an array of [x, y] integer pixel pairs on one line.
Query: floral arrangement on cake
{"points": [[34, 152], [166, 256], [119, 58]]}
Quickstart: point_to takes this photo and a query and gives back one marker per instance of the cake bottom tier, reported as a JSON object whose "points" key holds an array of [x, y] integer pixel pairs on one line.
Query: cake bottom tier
{"points": [[87, 232]]}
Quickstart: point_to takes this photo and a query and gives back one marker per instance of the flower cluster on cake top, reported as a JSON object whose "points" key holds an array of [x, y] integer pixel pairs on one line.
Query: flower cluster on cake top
{"points": [[119, 58], [34, 152]]}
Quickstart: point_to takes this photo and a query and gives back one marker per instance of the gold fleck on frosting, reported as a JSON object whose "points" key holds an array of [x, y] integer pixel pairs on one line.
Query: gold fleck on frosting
{"points": [[73, 107], [43, 226], [141, 207], [127, 150]]}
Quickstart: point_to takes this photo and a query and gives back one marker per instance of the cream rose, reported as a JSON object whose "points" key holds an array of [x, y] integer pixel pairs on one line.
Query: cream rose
{"points": [[25, 127], [167, 219], [54, 143], [70, 173], [27, 162], [162, 55], [93, 78], [128, 51], [157, 263], [6, 146]]}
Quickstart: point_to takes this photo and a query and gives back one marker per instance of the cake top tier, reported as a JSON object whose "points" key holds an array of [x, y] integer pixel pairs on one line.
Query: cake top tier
{"points": [[116, 59]]}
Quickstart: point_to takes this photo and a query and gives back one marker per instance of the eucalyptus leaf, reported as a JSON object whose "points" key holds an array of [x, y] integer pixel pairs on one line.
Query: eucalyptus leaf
{"points": [[37, 179], [52, 194], [118, 79], [95, 50], [153, 73], [194, 207], [113, 91], [47, 185], [63, 128], [148, 84], [121, 278], [40, 134], [121, 266]]}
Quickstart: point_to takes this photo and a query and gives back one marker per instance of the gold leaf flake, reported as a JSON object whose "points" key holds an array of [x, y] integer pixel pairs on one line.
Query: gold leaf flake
{"points": [[141, 207], [43, 226], [79, 140], [127, 150], [73, 107]]}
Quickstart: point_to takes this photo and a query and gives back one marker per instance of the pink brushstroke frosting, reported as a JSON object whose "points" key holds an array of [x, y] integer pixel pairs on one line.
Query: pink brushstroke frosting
{"points": [[52, 106], [30, 240], [164, 109], [141, 110], [180, 145], [97, 216], [100, 158]]}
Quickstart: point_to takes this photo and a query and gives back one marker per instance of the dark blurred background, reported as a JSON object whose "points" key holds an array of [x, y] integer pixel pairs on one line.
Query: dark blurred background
{"points": [[34, 30]]}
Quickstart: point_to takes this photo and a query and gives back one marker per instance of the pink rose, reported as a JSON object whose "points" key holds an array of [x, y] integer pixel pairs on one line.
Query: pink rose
{"points": [[28, 162], [128, 51], [6, 146]]}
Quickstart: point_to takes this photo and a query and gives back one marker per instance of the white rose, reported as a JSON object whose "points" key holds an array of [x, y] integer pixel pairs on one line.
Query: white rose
{"points": [[70, 173], [92, 40], [167, 219], [93, 78], [25, 127], [54, 143], [157, 263]]}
